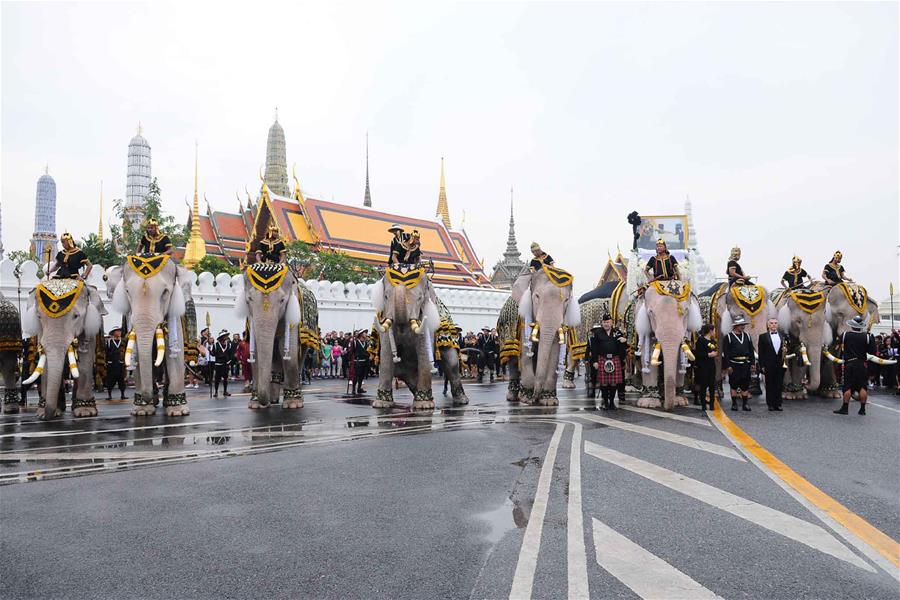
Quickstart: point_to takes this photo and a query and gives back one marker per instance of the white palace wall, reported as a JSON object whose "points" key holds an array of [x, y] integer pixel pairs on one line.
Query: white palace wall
{"points": [[342, 306]]}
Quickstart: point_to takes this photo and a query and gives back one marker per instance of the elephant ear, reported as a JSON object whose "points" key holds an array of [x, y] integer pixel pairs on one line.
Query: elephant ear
{"points": [[784, 318], [694, 317], [378, 295], [241, 306], [573, 313], [92, 320], [725, 325], [432, 317], [292, 310], [642, 321], [112, 277], [829, 314], [120, 301], [525, 307], [827, 335], [177, 304], [31, 324]]}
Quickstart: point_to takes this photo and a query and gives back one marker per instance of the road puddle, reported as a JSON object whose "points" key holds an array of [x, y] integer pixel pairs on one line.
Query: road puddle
{"points": [[503, 519]]}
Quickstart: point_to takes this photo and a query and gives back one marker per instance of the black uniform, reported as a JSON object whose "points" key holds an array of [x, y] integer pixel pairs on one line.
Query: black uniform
{"points": [[115, 367], [271, 249], [833, 274], [857, 345], [404, 256], [737, 269], [603, 347], [224, 355], [154, 245], [538, 263], [359, 354], [772, 362], [705, 371], [71, 261], [794, 279], [737, 352], [663, 268]]}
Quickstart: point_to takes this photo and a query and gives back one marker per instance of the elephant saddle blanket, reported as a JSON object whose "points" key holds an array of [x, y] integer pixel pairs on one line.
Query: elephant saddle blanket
{"points": [[147, 266], [557, 277], [266, 277], [56, 297], [10, 328], [680, 290], [857, 296], [408, 279], [807, 300], [750, 298]]}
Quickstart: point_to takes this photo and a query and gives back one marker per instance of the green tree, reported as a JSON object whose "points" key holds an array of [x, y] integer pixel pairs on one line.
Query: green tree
{"points": [[127, 238], [100, 252], [20, 256], [215, 265], [328, 264]]}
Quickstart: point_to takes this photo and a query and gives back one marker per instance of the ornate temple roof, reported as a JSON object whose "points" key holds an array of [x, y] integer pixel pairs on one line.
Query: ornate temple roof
{"points": [[511, 265]]}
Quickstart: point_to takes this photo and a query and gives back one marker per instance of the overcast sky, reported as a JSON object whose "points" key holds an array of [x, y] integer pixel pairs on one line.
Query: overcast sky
{"points": [[780, 121]]}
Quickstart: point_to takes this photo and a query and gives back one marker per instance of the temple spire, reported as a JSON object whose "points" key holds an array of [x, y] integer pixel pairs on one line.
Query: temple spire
{"points": [[367, 199], [692, 233], [512, 247], [196, 247], [442, 211], [100, 226]]}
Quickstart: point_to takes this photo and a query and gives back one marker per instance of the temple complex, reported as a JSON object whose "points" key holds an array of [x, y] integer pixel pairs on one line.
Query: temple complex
{"points": [[138, 180], [44, 235], [508, 269]]}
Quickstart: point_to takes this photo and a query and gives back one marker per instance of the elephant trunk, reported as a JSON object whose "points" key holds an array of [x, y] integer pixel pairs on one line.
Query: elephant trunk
{"points": [[145, 334], [53, 372], [265, 353], [670, 366], [546, 359]]}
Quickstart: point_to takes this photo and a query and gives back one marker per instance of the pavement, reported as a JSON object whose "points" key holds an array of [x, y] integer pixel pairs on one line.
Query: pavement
{"points": [[488, 500]]}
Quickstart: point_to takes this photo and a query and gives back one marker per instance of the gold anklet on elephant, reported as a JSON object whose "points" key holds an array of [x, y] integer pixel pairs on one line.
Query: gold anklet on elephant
{"points": [[293, 394], [277, 377], [175, 399], [11, 396], [526, 395], [547, 394], [568, 375], [139, 400], [423, 395], [79, 403], [386, 396]]}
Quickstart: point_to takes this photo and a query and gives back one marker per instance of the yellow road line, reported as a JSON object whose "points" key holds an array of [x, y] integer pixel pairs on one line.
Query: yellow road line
{"points": [[862, 529]]}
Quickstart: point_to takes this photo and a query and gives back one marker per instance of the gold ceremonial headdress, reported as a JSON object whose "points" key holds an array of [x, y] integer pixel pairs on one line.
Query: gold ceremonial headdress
{"points": [[837, 256], [66, 236], [152, 222], [735, 253], [535, 246]]}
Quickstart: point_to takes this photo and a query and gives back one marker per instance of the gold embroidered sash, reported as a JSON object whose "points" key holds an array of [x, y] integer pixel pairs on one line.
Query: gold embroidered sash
{"points": [[410, 279], [267, 277], [57, 296], [857, 296], [750, 298], [614, 301], [680, 290], [557, 277], [147, 267], [809, 302]]}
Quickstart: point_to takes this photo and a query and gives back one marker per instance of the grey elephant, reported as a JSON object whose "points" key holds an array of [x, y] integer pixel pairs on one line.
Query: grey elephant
{"points": [[10, 350], [546, 308], [406, 319], [664, 316], [847, 300], [66, 315], [270, 299], [149, 291], [802, 316]]}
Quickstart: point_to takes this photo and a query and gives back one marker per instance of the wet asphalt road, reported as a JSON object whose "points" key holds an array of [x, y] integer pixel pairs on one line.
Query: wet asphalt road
{"points": [[340, 500]]}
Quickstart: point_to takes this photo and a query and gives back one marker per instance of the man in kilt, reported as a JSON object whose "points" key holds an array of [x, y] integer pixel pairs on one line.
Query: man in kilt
{"points": [[607, 357], [857, 345], [738, 356]]}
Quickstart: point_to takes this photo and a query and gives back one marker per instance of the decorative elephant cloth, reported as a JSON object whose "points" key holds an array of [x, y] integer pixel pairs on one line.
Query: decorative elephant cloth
{"points": [[308, 327], [56, 297], [10, 349], [857, 296], [147, 266], [750, 298]]}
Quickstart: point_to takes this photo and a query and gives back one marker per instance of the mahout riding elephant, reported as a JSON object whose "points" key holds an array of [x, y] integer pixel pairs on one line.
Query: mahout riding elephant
{"points": [[149, 291], [664, 316], [406, 317], [66, 315], [10, 350], [270, 299], [802, 316], [547, 308]]}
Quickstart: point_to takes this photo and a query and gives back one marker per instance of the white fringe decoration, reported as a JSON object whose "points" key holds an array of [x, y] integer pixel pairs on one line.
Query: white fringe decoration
{"points": [[378, 295], [120, 301], [694, 318], [525, 306], [726, 323], [784, 318], [292, 312], [573, 313], [642, 321]]}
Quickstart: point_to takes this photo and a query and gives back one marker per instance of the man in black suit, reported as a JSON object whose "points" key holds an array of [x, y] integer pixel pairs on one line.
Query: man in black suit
{"points": [[772, 348], [115, 363]]}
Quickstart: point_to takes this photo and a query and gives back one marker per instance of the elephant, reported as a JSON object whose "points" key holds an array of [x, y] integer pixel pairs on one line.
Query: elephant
{"points": [[664, 316], [847, 300], [149, 291], [270, 300], [802, 316], [544, 303], [66, 315], [406, 317], [10, 350]]}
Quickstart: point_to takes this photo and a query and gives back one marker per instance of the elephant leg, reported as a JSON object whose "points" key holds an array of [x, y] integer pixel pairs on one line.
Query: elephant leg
{"points": [[11, 393], [450, 367], [384, 397], [514, 386], [175, 400], [423, 398], [141, 406], [293, 393], [526, 368]]}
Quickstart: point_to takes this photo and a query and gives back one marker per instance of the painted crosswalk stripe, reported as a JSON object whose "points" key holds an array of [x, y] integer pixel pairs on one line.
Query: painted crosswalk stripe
{"points": [[675, 438], [103, 431], [890, 408], [646, 574], [531, 543], [774, 520], [577, 556], [667, 415]]}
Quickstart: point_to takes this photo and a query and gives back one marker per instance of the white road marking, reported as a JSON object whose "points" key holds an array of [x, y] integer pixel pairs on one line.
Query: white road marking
{"points": [[38, 434], [883, 406], [531, 543], [667, 415], [669, 437], [577, 556], [646, 574], [774, 520]]}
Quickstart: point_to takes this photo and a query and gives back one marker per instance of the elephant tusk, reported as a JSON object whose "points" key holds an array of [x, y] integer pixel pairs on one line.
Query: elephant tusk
{"points": [[535, 332], [562, 336], [804, 355], [287, 340], [252, 357], [73, 364], [129, 349], [385, 325], [415, 325], [654, 357], [687, 351], [394, 357], [880, 361], [37, 370], [832, 357], [160, 347]]}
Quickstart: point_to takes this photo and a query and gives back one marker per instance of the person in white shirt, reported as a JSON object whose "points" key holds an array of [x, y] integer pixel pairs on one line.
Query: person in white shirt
{"points": [[772, 347]]}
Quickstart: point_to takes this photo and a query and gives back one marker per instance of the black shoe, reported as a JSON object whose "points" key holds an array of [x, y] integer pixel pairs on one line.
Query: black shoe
{"points": [[862, 409], [226, 394], [842, 410], [744, 406], [703, 407], [734, 405], [778, 409], [771, 408], [612, 405], [216, 395]]}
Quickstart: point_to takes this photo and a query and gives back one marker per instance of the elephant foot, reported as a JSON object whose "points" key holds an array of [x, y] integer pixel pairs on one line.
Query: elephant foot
{"points": [[512, 391], [648, 402], [292, 399], [568, 385], [255, 404], [85, 411], [10, 409], [383, 399], [547, 398], [145, 410], [45, 416], [180, 410], [460, 398], [681, 401], [423, 400], [526, 395]]}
